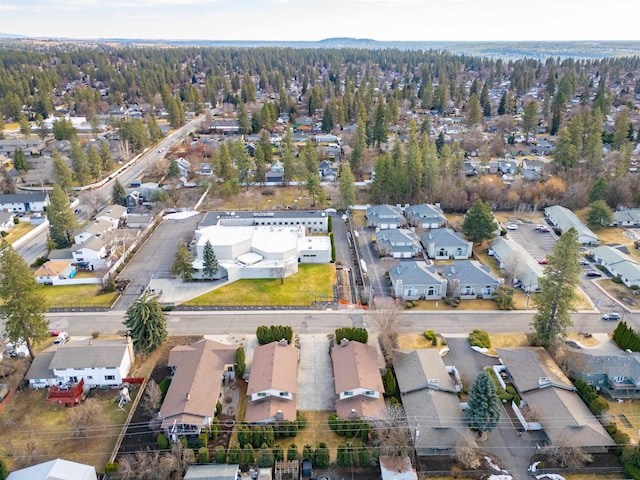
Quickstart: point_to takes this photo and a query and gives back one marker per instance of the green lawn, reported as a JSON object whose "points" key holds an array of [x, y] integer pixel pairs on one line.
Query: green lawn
{"points": [[67, 296], [311, 283], [18, 231]]}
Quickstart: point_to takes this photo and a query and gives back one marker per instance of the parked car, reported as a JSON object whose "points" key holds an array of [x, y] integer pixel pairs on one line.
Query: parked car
{"points": [[611, 316], [61, 338], [544, 261], [512, 226], [594, 273], [584, 262], [54, 333], [544, 229]]}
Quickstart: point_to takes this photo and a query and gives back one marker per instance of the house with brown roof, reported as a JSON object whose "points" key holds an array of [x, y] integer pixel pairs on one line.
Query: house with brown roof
{"points": [[198, 371], [358, 384], [273, 384], [544, 389], [55, 272]]}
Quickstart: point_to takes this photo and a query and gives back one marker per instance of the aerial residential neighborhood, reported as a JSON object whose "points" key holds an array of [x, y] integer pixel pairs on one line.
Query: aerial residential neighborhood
{"points": [[318, 262]]}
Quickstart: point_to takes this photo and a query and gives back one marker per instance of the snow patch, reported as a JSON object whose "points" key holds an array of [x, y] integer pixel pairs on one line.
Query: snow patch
{"points": [[180, 215]]}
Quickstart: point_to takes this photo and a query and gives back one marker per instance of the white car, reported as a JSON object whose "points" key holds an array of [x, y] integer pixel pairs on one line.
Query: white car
{"points": [[512, 226]]}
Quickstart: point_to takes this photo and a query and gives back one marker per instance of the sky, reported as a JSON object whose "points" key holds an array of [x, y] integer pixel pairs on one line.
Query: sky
{"points": [[312, 20]]}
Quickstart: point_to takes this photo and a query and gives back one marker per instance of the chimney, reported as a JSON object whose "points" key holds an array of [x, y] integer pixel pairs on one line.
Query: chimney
{"points": [[187, 397]]}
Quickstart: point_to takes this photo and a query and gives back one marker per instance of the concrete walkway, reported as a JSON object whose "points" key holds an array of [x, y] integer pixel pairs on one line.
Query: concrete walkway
{"points": [[316, 390]]}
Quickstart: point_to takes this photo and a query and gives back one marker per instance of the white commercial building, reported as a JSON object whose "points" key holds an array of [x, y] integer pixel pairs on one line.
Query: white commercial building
{"points": [[259, 252]]}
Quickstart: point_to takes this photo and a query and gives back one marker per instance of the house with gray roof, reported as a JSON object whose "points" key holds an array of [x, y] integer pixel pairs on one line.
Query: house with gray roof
{"points": [[626, 218], [91, 254], [428, 390], [417, 280], [445, 244], [425, 216], [469, 279], [618, 264], [213, 472], [6, 221], [617, 374], [385, 217], [58, 469], [517, 263], [397, 243], [563, 219], [547, 394], [96, 361], [24, 202]]}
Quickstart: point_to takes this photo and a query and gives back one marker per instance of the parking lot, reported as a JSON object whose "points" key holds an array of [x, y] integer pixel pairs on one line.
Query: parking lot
{"points": [[537, 243]]}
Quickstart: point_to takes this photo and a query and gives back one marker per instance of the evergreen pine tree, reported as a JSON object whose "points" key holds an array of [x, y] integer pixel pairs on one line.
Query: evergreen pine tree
{"points": [[483, 407], [209, 260]]}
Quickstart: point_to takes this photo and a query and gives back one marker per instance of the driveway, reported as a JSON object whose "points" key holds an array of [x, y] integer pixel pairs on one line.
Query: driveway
{"points": [[504, 443], [538, 244], [316, 390], [155, 257]]}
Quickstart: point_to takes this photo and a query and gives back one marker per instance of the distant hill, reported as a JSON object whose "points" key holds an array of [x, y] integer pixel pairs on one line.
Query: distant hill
{"points": [[509, 50]]}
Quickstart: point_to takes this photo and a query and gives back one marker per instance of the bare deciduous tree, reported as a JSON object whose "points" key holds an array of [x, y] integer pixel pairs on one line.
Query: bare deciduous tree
{"points": [[512, 266], [152, 399], [83, 417], [392, 430], [469, 458], [94, 201], [568, 455], [387, 325]]}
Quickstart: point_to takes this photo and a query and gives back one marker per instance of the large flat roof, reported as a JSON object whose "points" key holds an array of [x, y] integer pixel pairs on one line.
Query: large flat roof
{"points": [[212, 218]]}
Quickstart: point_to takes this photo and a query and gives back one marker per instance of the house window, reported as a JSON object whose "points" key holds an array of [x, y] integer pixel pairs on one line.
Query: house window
{"points": [[89, 377], [262, 394], [348, 394], [109, 377], [618, 379], [284, 394], [369, 392], [442, 252], [467, 290], [431, 291]]}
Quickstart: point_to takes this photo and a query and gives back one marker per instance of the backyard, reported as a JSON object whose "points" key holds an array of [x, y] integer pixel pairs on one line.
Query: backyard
{"points": [[311, 283]]}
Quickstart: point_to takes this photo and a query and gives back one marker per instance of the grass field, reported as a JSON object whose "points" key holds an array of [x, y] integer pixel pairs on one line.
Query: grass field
{"points": [[18, 231], [65, 296], [311, 283], [619, 292], [35, 431]]}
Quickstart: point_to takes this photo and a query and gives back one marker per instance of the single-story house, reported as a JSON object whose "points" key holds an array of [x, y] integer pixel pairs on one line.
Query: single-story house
{"points": [[113, 214], [425, 216], [93, 229], [273, 384], [469, 279], [55, 272], [138, 220], [518, 263], [24, 202], [397, 243], [6, 221], [617, 374], [417, 280], [558, 409], [57, 469], [96, 361], [385, 217], [444, 244], [626, 218], [563, 219], [198, 372], [618, 264], [358, 384], [429, 393]]}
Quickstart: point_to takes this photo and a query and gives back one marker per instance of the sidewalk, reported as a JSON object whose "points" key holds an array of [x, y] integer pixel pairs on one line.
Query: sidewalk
{"points": [[175, 291]]}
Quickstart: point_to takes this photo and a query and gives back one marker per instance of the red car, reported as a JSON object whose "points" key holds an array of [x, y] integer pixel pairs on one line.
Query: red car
{"points": [[543, 261], [54, 333]]}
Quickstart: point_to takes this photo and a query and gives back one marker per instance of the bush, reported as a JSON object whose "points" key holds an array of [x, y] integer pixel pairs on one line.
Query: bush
{"points": [[352, 333], [38, 262], [617, 280], [219, 454], [274, 333], [111, 467], [163, 442], [203, 455], [164, 386], [429, 334], [479, 338]]}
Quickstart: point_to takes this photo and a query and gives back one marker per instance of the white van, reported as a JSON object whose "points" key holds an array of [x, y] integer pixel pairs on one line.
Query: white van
{"points": [[61, 338]]}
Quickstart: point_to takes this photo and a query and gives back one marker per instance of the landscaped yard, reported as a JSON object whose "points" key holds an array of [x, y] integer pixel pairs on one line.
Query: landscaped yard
{"points": [[35, 431], [18, 231], [66, 296], [621, 292], [630, 409], [311, 283]]}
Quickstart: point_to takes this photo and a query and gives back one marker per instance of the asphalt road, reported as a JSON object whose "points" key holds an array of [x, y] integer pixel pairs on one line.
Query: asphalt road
{"points": [[323, 321]]}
